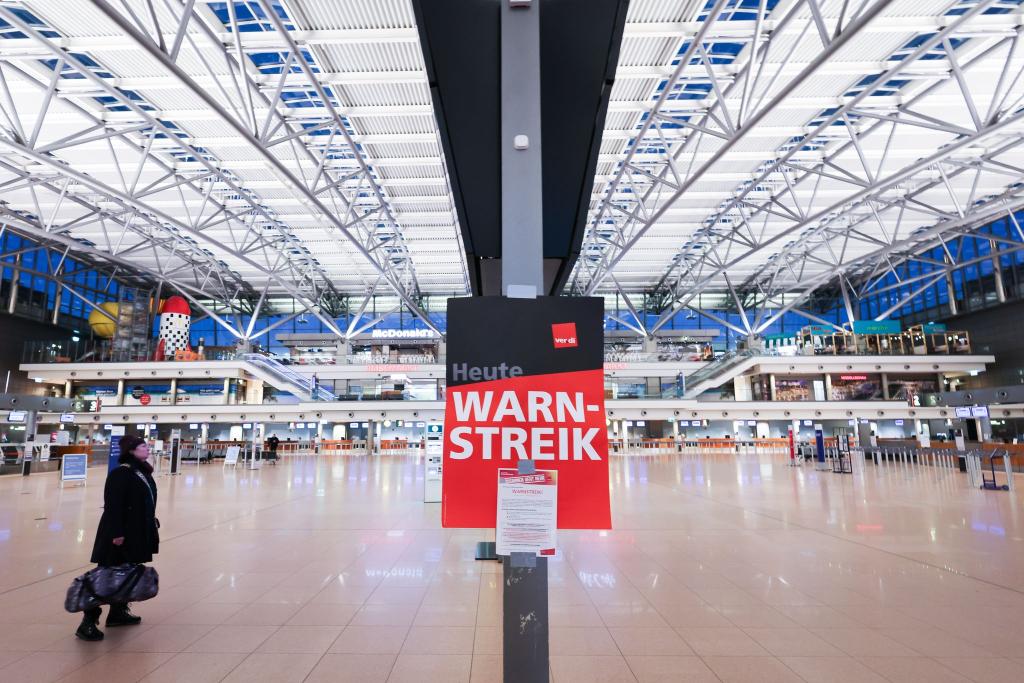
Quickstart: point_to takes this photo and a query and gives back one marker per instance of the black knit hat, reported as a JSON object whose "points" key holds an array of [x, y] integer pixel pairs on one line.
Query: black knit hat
{"points": [[128, 444]]}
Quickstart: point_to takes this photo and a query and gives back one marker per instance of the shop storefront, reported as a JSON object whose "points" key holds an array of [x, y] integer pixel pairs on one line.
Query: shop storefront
{"points": [[414, 347], [395, 387], [910, 388], [855, 387], [799, 389]]}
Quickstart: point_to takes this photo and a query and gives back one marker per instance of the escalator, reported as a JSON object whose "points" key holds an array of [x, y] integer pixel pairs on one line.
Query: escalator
{"points": [[284, 378], [720, 371]]}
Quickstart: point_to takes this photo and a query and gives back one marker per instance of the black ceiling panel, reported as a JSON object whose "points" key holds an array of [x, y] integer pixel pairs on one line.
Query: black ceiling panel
{"points": [[580, 42]]}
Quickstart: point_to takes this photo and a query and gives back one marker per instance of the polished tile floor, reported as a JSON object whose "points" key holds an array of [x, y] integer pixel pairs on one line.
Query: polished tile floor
{"points": [[720, 568]]}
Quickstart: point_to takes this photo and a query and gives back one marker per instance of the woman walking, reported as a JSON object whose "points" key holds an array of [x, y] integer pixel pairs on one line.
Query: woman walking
{"points": [[127, 532]]}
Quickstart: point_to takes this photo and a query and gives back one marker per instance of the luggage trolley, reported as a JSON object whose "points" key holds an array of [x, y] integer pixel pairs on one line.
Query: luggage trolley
{"points": [[990, 484], [842, 463]]}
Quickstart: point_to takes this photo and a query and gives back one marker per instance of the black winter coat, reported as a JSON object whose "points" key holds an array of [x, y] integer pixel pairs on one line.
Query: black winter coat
{"points": [[129, 510]]}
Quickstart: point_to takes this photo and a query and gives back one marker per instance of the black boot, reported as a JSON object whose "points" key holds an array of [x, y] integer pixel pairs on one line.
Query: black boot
{"points": [[88, 630], [119, 615]]}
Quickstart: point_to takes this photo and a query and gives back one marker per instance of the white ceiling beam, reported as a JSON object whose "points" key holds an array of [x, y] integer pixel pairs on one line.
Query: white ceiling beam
{"points": [[738, 30]]}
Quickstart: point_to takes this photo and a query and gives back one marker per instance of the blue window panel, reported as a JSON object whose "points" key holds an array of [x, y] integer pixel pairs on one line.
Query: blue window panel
{"points": [[929, 297]]}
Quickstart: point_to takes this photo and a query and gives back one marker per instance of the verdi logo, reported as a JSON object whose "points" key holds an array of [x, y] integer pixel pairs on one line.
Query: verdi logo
{"points": [[564, 335]]}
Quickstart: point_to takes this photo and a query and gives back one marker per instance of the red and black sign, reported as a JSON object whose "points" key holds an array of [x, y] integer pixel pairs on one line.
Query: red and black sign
{"points": [[525, 381]]}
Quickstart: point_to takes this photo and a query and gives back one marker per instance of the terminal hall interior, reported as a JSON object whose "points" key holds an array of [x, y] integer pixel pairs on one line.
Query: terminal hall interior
{"points": [[513, 340]]}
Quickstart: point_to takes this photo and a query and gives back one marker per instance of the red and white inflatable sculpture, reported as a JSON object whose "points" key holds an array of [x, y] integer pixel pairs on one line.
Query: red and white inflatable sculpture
{"points": [[175, 322]]}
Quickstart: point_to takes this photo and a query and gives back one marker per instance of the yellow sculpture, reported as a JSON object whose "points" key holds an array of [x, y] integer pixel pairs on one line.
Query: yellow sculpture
{"points": [[101, 325]]}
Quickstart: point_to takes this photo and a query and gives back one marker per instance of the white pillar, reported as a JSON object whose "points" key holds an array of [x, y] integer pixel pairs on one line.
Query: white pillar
{"points": [[997, 273]]}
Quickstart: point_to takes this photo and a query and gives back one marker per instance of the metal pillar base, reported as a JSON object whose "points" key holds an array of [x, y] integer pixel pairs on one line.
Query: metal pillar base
{"points": [[486, 550], [525, 618]]}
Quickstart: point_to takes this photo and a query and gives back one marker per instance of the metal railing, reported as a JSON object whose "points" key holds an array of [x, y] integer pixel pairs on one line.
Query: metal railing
{"points": [[105, 351]]}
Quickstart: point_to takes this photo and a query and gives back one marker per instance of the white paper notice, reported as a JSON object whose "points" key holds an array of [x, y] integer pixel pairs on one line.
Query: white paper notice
{"points": [[527, 512]]}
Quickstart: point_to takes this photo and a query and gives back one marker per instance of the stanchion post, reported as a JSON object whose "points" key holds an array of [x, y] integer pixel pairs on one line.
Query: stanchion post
{"points": [[1008, 466]]}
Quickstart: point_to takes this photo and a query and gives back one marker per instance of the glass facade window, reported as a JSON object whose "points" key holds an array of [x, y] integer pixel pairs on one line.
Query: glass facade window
{"points": [[974, 285], [33, 268]]}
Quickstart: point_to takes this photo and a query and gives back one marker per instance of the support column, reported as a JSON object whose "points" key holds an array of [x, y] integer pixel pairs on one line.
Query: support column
{"points": [[341, 352], [885, 386], [742, 388], [984, 429], [851, 314], [12, 300], [30, 438], [997, 272], [174, 391], [525, 632], [951, 292], [522, 205], [68, 389], [227, 391], [119, 400], [57, 297]]}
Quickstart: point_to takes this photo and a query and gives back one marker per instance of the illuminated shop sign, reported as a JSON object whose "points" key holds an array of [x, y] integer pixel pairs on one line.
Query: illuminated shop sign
{"points": [[403, 334]]}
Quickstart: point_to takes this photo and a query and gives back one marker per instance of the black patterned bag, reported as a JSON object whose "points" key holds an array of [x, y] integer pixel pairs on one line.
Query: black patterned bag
{"points": [[112, 585]]}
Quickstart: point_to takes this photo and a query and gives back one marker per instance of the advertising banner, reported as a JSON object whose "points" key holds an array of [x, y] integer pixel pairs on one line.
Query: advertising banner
{"points": [[74, 466], [525, 382], [115, 452]]}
